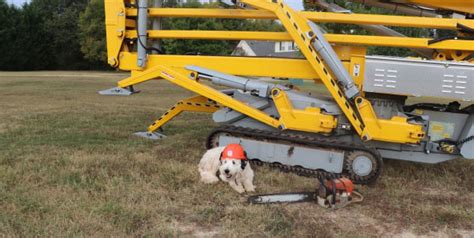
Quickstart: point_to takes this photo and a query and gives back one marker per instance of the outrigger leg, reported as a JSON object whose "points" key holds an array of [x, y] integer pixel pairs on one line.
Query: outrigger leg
{"points": [[193, 104], [118, 91]]}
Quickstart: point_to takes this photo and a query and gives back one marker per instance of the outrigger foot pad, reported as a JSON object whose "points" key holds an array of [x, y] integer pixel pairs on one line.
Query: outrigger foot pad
{"points": [[117, 91], [150, 135]]}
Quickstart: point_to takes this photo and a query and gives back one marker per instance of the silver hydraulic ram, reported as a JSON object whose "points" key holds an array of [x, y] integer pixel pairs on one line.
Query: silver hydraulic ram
{"points": [[157, 25], [328, 54], [264, 89], [231, 81], [142, 22]]}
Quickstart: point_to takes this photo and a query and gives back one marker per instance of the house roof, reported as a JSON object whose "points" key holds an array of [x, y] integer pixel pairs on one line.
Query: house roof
{"points": [[267, 48]]}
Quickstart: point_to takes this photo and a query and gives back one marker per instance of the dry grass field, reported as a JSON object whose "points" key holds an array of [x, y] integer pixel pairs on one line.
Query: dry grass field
{"points": [[70, 166]]}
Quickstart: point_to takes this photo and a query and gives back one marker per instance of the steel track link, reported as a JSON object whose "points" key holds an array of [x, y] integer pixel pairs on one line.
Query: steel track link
{"points": [[288, 137]]}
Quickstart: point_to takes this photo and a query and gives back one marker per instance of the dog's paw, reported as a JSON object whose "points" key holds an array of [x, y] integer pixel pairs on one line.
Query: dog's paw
{"points": [[251, 189]]}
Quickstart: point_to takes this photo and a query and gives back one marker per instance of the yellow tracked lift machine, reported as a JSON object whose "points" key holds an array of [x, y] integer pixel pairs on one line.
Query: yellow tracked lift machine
{"points": [[370, 113]]}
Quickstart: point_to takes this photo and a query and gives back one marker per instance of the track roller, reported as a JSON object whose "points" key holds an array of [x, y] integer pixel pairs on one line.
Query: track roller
{"points": [[362, 167]]}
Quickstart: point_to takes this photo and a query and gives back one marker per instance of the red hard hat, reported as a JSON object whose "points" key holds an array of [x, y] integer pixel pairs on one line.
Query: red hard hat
{"points": [[234, 151]]}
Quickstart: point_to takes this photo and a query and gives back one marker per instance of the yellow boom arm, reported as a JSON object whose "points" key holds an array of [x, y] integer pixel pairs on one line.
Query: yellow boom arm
{"points": [[121, 22]]}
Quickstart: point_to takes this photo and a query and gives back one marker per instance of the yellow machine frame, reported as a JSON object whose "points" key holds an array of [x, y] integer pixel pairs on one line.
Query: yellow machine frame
{"points": [[120, 22]]}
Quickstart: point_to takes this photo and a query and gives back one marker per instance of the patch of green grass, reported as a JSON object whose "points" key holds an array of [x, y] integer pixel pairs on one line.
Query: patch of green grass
{"points": [[70, 166]]}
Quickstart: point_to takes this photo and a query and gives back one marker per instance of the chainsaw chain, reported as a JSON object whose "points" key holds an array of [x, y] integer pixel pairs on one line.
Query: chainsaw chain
{"points": [[293, 138]]}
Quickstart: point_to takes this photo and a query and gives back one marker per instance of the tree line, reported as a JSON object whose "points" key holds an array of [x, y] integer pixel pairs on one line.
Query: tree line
{"points": [[44, 35], [70, 34]]}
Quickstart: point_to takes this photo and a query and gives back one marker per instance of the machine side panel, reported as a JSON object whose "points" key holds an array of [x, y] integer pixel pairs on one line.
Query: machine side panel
{"points": [[419, 78], [445, 125]]}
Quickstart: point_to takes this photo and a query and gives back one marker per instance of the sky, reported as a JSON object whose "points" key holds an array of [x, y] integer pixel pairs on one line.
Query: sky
{"points": [[17, 2], [297, 4]]}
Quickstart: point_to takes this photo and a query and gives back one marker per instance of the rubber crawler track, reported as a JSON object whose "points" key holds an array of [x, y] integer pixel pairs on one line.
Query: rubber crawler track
{"points": [[288, 137]]}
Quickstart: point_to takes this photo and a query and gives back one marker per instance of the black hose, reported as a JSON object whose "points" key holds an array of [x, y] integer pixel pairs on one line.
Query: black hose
{"points": [[148, 49]]}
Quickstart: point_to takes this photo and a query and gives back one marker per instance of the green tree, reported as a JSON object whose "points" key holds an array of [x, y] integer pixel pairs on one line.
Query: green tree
{"points": [[93, 43], [70, 34], [24, 40], [206, 47], [92, 33], [61, 19], [170, 3], [8, 19], [354, 29]]}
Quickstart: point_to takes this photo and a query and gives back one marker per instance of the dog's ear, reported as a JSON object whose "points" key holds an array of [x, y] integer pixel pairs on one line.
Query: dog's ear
{"points": [[220, 157], [244, 162]]}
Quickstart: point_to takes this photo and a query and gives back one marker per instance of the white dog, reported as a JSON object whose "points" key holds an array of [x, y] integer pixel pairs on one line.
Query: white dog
{"points": [[228, 164]]}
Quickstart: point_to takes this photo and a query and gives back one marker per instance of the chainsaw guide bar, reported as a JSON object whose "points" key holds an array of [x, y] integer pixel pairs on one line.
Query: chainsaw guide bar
{"points": [[300, 197], [283, 198]]}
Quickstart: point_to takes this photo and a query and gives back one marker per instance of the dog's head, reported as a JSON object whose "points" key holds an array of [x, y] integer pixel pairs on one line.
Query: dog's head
{"points": [[233, 161], [230, 168]]}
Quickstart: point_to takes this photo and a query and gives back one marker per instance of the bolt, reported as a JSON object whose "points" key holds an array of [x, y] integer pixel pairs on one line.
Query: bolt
{"points": [[275, 92]]}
